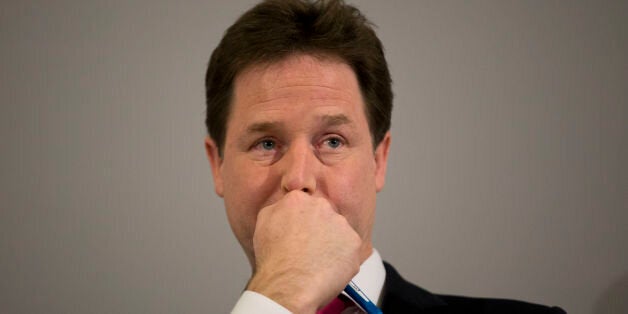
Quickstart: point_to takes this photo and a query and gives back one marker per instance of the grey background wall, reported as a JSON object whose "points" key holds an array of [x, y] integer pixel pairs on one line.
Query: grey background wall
{"points": [[507, 177]]}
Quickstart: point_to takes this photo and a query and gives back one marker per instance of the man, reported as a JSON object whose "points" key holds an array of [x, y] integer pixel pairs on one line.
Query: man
{"points": [[298, 112]]}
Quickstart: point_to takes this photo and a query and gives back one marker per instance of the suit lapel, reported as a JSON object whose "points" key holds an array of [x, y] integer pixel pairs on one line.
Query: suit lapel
{"points": [[400, 296]]}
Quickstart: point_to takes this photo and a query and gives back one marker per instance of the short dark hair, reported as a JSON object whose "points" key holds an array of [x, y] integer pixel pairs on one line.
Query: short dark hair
{"points": [[275, 29]]}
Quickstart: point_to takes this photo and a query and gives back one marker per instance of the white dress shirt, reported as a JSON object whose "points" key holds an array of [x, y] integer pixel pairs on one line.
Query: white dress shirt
{"points": [[370, 279]]}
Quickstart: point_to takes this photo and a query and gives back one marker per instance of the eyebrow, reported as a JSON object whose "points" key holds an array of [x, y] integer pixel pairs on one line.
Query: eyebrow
{"points": [[335, 120], [261, 127]]}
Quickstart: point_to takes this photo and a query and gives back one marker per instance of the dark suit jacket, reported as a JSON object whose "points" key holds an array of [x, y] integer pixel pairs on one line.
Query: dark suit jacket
{"points": [[400, 296]]}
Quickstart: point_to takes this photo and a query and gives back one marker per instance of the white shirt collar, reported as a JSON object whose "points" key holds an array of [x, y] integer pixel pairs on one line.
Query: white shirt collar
{"points": [[371, 276]]}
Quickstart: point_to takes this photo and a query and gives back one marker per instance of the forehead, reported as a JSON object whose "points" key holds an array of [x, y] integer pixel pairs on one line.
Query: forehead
{"points": [[297, 79]]}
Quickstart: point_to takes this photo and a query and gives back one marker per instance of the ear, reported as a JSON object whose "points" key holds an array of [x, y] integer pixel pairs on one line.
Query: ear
{"points": [[381, 161], [215, 161]]}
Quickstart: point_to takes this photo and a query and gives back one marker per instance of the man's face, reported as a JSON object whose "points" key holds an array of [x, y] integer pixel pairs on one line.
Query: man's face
{"points": [[298, 124]]}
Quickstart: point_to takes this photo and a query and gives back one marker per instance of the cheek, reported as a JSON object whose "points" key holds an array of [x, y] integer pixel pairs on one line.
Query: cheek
{"points": [[353, 191], [246, 191]]}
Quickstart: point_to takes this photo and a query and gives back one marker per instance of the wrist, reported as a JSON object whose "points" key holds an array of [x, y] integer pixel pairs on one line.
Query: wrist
{"points": [[284, 289]]}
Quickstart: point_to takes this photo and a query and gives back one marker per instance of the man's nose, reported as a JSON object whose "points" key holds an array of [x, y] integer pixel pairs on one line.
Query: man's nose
{"points": [[299, 166]]}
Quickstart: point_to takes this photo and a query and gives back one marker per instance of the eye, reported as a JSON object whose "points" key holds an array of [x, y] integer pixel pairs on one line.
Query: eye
{"points": [[267, 144], [265, 149], [333, 143]]}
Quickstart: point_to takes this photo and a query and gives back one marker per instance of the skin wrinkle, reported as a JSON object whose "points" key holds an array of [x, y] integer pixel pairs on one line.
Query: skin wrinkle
{"points": [[271, 81], [261, 100], [326, 120]]}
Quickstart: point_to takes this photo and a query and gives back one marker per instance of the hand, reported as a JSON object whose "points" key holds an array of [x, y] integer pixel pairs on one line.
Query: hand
{"points": [[305, 252]]}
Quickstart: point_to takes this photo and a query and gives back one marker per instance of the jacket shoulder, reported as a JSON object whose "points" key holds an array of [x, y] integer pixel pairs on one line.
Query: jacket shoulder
{"points": [[401, 296]]}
